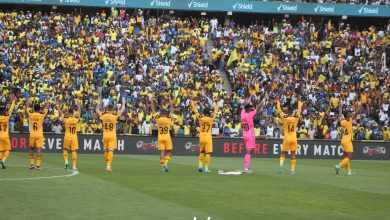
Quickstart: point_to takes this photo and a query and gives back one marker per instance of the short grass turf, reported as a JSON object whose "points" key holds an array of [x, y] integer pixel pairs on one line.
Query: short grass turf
{"points": [[136, 189]]}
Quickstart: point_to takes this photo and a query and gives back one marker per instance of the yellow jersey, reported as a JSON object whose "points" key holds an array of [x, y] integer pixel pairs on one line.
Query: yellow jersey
{"points": [[71, 124], [4, 122], [205, 125], [347, 129], [289, 126], [289, 122], [109, 123], [36, 122], [163, 124]]}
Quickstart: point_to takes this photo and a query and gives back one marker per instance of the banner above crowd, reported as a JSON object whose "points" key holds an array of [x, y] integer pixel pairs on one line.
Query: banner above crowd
{"points": [[251, 6]]}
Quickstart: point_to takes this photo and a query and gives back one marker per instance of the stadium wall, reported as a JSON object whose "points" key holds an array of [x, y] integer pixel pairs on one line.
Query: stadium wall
{"points": [[224, 147]]}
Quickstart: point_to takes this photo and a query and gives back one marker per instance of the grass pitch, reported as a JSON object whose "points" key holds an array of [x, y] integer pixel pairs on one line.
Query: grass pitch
{"points": [[136, 189]]}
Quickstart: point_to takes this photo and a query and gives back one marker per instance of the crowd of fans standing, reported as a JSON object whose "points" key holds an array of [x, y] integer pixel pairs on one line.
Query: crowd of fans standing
{"points": [[135, 56]]}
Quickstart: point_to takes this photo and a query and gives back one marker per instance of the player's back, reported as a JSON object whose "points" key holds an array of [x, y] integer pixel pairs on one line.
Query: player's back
{"points": [[289, 126], [4, 125], [70, 126], [4, 121], [205, 124], [36, 122], [109, 123], [346, 125], [247, 122], [163, 124]]}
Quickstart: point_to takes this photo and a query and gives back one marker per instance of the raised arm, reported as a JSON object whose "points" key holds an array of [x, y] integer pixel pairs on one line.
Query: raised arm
{"points": [[152, 104], [280, 112], [261, 103], [98, 106], [123, 106], [59, 109], [216, 108], [341, 116], [11, 109], [357, 110], [258, 106], [170, 104], [300, 104], [78, 108], [28, 101], [47, 104], [194, 107]]}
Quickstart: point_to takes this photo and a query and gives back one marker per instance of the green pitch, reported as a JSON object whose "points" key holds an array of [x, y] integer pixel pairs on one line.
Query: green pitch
{"points": [[136, 189]]}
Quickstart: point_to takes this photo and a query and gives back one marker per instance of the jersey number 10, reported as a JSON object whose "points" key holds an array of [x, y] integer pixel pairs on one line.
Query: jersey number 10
{"points": [[72, 130]]}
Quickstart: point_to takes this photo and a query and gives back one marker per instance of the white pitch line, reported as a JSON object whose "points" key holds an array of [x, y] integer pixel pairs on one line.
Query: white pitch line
{"points": [[43, 177]]}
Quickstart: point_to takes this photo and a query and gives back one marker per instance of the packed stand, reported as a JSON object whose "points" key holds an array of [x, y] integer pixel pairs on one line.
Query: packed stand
{"points": [[137, 56], [130, 56], [322, 64]]}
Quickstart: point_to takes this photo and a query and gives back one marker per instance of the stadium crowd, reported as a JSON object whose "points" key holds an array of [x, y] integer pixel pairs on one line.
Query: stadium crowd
{"points": [[70, 57], [325, 64]]}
